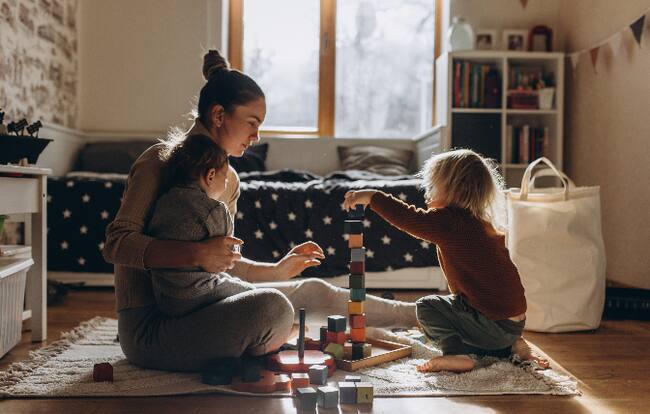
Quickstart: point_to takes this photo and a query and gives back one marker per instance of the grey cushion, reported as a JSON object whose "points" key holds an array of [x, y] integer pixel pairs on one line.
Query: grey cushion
{"points": [[379, 160], [111, 156]]}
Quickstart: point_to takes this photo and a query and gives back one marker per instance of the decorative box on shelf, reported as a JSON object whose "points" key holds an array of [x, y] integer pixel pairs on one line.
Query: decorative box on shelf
{"points": [[523, 99], [14, 148]]}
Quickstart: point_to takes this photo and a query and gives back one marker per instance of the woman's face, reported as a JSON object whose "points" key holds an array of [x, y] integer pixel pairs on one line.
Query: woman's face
{"points": [[240, 129]]}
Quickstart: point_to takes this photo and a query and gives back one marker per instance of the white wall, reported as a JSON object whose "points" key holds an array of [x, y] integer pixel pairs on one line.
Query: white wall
{"points": [[60, 154]]}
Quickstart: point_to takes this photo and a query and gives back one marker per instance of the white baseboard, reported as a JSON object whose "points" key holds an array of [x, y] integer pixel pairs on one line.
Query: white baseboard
{"points": [[407, 278]]}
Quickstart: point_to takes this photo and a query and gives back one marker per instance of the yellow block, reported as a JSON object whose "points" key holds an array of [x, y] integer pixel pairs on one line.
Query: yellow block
{"points": [[355, 308]]}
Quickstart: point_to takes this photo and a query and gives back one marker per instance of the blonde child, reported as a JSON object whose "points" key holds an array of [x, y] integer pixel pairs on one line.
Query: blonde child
{"points": [[485, 313]]}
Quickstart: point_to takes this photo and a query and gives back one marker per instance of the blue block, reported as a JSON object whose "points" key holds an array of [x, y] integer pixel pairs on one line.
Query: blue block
{"points": [[336, 323], [328, 397], [353, 227], [306, 398], [357, 295], [318, 374], [348, 392]]}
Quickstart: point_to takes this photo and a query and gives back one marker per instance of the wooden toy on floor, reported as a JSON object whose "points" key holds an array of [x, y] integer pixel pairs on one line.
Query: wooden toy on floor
{"points": [[299, 380], [318, 374], [306, 398], [365, 392], [327, 397], [352, 378], [103, 372], [347, 392]]}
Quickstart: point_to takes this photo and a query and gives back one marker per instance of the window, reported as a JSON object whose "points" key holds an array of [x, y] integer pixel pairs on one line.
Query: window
{"points": [[353, 68]]}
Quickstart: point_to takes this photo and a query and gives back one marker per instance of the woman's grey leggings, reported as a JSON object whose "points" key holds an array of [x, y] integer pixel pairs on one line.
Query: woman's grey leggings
{"points": [[255, 321]]}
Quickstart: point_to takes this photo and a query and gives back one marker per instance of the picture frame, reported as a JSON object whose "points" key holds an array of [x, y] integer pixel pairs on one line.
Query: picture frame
{"points": [[540, 39], [486, 39], [516, 40]]}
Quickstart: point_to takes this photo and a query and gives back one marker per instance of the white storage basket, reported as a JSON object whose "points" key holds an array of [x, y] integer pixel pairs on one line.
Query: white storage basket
{"points": [[13, 275]]}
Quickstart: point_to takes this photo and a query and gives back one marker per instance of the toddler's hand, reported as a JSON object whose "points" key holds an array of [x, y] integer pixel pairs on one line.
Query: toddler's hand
{"points": [[353, 198]]}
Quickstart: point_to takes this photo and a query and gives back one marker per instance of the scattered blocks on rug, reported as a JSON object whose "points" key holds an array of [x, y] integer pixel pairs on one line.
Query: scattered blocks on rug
{"points": [[355, 308], [365, 392], [358, 334], [357, 282], [357, 268], [352, 378], [327, 397], [306, 398], [103, 372], [336, 350], [358, 321], [355, 240], [358, 295], [336, 323], [318, 374], [299, 380], [348, 392]]}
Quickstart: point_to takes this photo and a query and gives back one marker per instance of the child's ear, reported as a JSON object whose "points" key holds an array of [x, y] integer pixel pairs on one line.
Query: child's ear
{"points": [[210, 175]]}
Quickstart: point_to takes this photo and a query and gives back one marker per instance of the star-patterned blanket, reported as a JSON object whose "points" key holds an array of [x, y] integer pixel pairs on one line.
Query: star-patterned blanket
{"points": [[276, 211]]}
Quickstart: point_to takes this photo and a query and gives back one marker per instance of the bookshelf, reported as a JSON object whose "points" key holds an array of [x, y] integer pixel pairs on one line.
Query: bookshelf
{"points": [[489, 101]]}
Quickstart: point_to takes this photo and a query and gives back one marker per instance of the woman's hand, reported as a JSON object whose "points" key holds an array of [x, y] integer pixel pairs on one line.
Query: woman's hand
{"points": [[298, 259], [361, 197], [218, 253]]}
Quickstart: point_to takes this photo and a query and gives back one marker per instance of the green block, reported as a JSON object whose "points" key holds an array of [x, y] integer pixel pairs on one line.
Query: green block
{"points": [[336, 350], [357, 282], [357, 295]]}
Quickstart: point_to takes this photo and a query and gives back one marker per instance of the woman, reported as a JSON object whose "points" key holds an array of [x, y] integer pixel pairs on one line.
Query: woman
{"points": [[256, 321]]}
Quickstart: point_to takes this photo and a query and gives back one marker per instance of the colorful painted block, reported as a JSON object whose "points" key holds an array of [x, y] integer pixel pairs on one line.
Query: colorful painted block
{"points": [[355, 308], [358, 254], [365, 392], [282, 382], [336, 323], [306, 398], [355, 240], [334, 349], [357, 281], [327, 397], [348, 392], [347, 350], [352, 378], [367, 350], [358, 334], [357, 351], [318, 374], [358, 321], [357, 268], [103, 372], [358, 295], [335, 337], [353, 227], [299, 380], [357, 212]]}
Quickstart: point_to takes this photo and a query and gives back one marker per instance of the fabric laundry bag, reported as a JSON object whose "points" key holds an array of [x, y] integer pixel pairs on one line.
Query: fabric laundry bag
{"points": [[555, 240]]}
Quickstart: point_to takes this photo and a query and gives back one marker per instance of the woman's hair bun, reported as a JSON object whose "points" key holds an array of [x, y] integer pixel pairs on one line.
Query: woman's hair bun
{"points": [[213, 61]]}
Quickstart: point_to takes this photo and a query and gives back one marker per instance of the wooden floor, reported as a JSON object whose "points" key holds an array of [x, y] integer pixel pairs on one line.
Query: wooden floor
{"points": [[612, 365]]}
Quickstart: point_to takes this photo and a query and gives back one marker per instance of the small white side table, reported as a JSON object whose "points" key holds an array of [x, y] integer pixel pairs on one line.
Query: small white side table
{"points": [[23, 190]]}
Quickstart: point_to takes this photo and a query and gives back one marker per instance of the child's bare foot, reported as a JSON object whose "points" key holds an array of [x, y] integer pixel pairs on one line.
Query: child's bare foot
{"points": [[525, 353], [454, 363]]}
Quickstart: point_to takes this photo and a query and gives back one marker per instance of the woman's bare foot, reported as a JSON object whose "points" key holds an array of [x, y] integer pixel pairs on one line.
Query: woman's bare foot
{"points": [[454, 363], [525, 353]]}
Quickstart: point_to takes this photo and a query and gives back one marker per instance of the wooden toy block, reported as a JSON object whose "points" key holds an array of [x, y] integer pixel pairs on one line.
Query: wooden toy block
{"points": [[358, 254], [367, 350], [353, 227], [250, 372], [357, 281], [355, 308], [347, 392], [103, 372], [334, 349], [327, 397], [336, 323], [306, 398], [357, 268], [365, 392], [357, 351], [347, 350], [299, 380], [335, 337], [282, 382], [323, 336], [318, 374], [289, 361], [312, 344], [352, 378], [358, 321], [358, 334], [358, 295], [357, 212], [355, 240]]}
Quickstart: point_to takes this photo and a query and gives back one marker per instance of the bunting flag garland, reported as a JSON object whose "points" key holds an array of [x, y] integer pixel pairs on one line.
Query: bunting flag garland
{"points": [[614, 42], [637, 29]]}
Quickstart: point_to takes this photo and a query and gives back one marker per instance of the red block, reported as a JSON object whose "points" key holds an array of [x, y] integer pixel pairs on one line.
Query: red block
{"points": [[357, 268], [103, 372], [358, 321], [358, 335], [336, 337]]}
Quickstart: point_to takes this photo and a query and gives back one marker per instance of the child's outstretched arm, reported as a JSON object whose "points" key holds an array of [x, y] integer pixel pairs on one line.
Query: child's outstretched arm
{"points": [[431, 225]]}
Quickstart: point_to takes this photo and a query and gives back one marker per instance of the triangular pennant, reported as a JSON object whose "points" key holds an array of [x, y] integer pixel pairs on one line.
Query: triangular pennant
{"points": [[637, 29], [575, 58], [615, 43], [594, 55], [524, 3]]}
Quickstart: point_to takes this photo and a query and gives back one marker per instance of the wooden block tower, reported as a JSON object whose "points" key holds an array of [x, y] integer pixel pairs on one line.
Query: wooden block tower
{"points": [[357, 348]]}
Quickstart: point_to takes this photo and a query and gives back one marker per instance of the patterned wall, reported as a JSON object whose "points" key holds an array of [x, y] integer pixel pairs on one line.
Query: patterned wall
{"points": [[39, 61]]}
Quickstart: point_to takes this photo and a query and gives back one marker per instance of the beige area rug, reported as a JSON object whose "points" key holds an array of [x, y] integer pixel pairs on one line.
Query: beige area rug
{"points": [[64, 369]]}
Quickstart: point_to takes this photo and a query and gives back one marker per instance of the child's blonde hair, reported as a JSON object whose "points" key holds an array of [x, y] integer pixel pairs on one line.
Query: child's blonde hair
{"points": [[464, 179]]}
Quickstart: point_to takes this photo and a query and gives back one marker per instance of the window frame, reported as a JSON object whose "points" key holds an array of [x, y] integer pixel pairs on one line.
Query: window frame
{"points": [[326, 65]]}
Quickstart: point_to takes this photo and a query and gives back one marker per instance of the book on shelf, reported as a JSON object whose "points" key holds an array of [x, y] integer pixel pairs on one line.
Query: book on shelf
{"points": [[476, 85], [14, 249], [525, 143]]}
